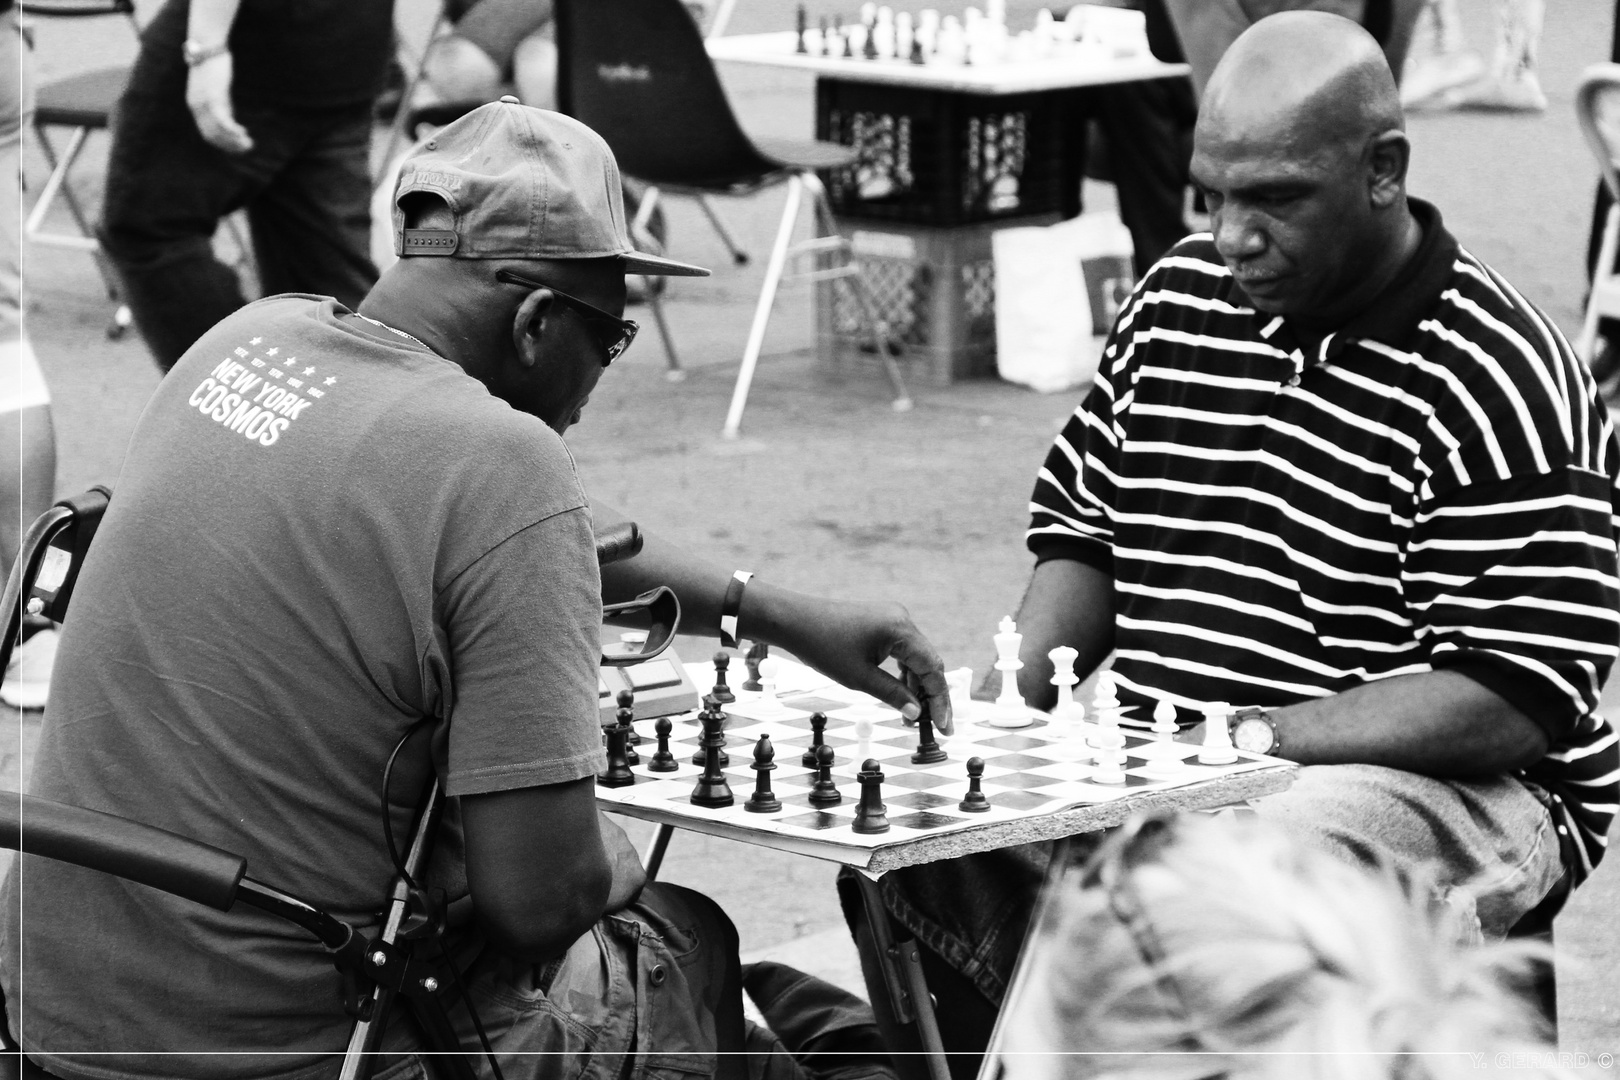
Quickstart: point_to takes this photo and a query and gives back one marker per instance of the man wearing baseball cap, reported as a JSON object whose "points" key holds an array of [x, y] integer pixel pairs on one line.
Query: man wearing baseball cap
{"points": [[332, 529]]}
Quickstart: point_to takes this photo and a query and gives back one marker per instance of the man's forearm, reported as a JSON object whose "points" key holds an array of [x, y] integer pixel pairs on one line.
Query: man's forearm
{"points": [[1438, 723]]}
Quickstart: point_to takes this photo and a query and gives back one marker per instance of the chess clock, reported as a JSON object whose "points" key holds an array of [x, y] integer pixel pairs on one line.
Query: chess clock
{"points": [[661, 685], [1255, 733]]}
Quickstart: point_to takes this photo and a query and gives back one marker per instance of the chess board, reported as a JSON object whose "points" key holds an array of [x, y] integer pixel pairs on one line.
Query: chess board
{"points": [[1062, 68], [1040, 780]]}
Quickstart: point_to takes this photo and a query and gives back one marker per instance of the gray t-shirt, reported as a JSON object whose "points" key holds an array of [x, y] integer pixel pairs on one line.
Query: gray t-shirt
{"points": [[322, 534]]}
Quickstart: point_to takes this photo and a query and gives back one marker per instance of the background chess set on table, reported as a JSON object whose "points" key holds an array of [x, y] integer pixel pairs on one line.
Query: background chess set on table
{"points": [[1088, 34], [1041, 781]]}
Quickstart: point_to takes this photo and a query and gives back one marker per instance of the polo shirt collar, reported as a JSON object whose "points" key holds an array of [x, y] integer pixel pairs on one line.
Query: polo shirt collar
{"points": [[1392, 317]]}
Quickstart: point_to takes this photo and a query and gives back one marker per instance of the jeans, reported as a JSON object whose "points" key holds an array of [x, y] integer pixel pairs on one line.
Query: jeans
{"points": [[654, 992], [306, 187], [1489, 841]]}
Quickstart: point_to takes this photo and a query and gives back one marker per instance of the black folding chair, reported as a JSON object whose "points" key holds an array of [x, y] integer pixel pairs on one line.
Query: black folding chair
{"points": [[638, 73], [405, 958]]}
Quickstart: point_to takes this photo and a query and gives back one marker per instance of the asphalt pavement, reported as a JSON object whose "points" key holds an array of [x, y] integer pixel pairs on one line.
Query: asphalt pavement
{"points": [[831, 491]]}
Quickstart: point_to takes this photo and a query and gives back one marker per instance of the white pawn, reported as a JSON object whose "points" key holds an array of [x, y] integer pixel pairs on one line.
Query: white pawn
{"points": [[883, 31], [1217, 748], [952, 46], [768, 704], [863, 738], [928, 30], [1105, 710], [1011, 711], [904, 34], [1164, 756], [1064, 678]]}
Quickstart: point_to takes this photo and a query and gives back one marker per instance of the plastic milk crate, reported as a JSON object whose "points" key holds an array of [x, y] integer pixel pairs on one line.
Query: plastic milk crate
{"points": [[935, 288], [947, 157]]}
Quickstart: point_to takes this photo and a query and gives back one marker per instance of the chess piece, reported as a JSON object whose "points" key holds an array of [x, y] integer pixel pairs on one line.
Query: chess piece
{"points": [[849, 49], [818, 730], [618, 772], [863, 738], [803, 19], [1163, 753], [826, 42], [975, 801], [711, 714], [769, 667], [662, 759], [823, 792], [1217, 748], [917, 51], [1105, 710], [756, 652], [763, 800], [871, 816], [712, 789], [626, 715], [928, 748], [721, 692], [1011, 711], [1067, 712]]}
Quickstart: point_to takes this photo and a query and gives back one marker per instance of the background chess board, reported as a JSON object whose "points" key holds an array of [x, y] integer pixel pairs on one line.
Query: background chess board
{"points": [[1039, 782]]}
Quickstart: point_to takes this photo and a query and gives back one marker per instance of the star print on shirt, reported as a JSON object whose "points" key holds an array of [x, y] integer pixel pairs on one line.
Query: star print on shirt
{"points": [[330, 379], [255, 341], [271, 352], [290, 361], [309, 371]]}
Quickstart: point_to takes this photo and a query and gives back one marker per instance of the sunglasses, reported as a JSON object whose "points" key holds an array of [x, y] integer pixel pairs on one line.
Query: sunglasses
{"points": [[612, 333]]}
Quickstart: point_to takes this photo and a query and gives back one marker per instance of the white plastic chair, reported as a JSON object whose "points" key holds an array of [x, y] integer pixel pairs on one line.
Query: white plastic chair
{"points": [[1597, 107]]}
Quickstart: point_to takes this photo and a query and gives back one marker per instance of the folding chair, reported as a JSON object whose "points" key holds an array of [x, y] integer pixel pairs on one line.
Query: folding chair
{"points": [[1597, 107], [405, 958], [638, 73], [83, 104]]}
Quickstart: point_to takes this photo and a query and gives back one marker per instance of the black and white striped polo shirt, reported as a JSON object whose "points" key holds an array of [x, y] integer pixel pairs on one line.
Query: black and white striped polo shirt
{"points": [[1436, 487]]}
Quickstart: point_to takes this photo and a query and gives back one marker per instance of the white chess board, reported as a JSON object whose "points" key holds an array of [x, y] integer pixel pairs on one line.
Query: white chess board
{"points": [[1041, 780], [1069, 66]]}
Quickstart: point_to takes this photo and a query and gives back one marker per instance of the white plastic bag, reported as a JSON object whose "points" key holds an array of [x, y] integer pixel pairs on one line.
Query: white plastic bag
{"points": [[1058, 288]]}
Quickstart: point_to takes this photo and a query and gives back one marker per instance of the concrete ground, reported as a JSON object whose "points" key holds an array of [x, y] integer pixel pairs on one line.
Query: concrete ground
{"points": [[831, 491]]}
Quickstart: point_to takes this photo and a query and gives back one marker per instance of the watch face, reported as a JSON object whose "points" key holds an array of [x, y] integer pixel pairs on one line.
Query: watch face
{"points": [[1253, 735]]}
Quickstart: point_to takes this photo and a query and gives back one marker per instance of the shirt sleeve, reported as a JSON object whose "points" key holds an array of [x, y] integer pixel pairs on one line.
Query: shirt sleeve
{"points": [[1513, 583], [1071, 514], [524, 637]]}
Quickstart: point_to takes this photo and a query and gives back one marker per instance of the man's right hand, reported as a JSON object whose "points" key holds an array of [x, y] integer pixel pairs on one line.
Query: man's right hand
{"points": [[208, 96]]}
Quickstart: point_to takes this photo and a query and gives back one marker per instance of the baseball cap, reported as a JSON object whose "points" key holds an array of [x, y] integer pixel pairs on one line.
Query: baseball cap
{"points": [[522, 183]]}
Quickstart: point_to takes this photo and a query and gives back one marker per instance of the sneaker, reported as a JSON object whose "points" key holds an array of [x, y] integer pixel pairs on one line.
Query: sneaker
{"points": [[1517, 92], [28, 676]]}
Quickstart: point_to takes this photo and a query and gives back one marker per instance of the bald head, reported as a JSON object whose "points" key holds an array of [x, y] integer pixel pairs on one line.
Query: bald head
{"points": [[1307, 77], [1301, 153]]}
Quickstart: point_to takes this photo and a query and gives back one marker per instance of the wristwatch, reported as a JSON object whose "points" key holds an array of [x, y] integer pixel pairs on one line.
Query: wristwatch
{"points": [[196, 53], [1254, 732]]}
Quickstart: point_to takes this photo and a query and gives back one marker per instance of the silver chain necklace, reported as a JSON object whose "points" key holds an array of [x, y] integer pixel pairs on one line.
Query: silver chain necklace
{"points": [[392, 329]]}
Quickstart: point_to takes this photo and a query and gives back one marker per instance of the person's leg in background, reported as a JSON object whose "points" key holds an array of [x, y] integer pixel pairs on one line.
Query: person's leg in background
{"points": [[312, 218], [490, 46], [27, 437], [1147, 129], [167, 191]]}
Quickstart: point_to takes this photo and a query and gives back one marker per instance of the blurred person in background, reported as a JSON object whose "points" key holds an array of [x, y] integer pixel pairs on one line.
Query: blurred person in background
{"points": [[1213, 946], [27, 438], [244, 104]]}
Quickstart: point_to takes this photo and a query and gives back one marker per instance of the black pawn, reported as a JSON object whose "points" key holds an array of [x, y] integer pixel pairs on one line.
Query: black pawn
{"points": [[869, 50], [756, 652], [928, 749], [849, 47], [618, 772], [711, 710], [975, 802], [721, 692], [818, 728], [803, 21], [823, 792], [662, 759], [871, 816], [626, 715], [763, 800], [627, 700], [826, 42], [712, 788], [917, 56]]}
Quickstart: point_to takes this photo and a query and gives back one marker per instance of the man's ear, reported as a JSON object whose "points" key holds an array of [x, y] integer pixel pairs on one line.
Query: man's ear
{"points": [[529, 325], [1388, 154]]}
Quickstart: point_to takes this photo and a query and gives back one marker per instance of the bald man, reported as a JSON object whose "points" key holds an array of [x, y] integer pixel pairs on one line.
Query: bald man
{"points": [[1338, 473]]}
